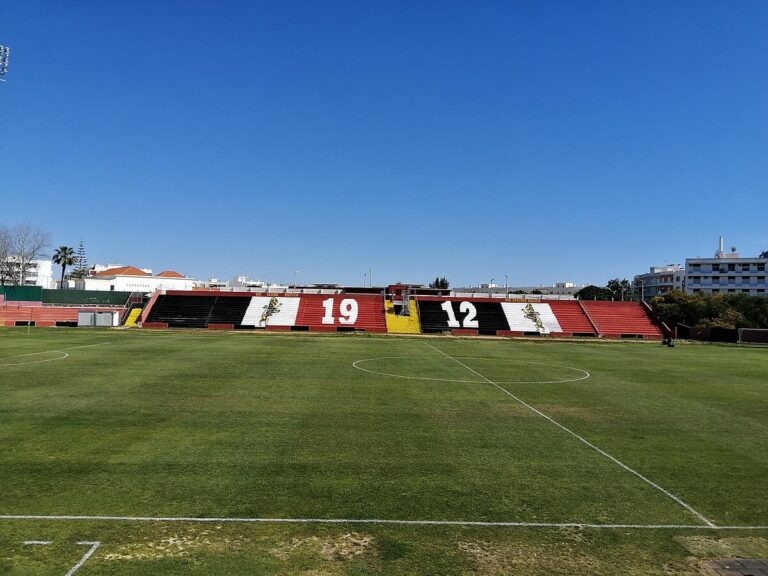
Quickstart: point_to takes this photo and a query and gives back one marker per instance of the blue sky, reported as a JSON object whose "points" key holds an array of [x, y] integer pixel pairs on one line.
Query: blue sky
{"points": [[550, 141]]}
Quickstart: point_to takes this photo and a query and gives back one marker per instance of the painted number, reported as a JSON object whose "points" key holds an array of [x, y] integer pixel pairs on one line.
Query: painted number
{"points": [[347, 311], [464, 308]]}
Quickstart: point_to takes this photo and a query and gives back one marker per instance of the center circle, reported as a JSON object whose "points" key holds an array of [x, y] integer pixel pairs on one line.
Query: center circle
{"points": [[34, 358], [416, 368]]}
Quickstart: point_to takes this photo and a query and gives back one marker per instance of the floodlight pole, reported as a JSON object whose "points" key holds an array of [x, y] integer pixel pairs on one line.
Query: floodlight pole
{"points": [[295, 274], [506, 287]]}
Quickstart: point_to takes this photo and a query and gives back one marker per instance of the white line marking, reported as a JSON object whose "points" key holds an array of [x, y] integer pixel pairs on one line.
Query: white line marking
{"points": [[87, 346], [63, 355], [84, 559], [613, 459], [356, 363], [500, 523], [37, 542], [59, 351], [55, 350]]}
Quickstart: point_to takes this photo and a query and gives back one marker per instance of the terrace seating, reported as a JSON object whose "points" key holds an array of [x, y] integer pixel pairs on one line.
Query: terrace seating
{"points": [[366, 314], [571, 317], [487, 317], [228, 310], [264, 312], [182, 311], [621, 319], [11, 315]]}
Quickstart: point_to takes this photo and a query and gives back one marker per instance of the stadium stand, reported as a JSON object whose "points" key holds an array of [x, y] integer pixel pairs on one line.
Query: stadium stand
{"points": [[621, 319], [34, 306], [35, 314], [376, 313]]}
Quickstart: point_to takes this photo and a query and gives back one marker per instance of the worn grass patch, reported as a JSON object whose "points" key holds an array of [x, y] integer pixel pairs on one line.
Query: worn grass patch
{"points": [[340, 547]]}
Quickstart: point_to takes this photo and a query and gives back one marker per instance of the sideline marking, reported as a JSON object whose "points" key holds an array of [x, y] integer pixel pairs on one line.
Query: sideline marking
{"points": [[59, 350], [584, 372], [37, 542], [93, 546], [500, 523], [615, 460]]}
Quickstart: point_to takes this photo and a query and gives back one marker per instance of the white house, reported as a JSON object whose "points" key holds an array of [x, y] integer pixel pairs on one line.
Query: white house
{"points": [[132, 279]]}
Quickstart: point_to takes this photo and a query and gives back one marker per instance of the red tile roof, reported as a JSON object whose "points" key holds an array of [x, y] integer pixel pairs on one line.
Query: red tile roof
{"points": [[122, 271], [170, 274]]}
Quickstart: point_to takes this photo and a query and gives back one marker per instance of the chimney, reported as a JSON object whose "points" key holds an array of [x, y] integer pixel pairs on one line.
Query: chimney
{"points": [[720, 253]]}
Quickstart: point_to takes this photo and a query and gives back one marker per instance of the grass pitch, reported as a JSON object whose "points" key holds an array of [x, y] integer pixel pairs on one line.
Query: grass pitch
{"points": [[344, 429]]}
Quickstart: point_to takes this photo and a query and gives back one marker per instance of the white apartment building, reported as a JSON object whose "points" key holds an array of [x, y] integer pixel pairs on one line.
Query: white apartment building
{"points": [[660, 280], [726, 273], [38, 273]]}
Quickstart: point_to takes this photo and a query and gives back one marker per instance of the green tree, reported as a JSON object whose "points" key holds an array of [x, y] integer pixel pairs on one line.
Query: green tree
{"points": [[727, 318], [714, 311], [440, 283], [593, 292], [63, 256], [621, 289], [81, 262]]}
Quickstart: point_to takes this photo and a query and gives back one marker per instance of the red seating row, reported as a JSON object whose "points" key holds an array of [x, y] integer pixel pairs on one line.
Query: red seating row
{"points": [[616, 319], [40, 315], [571, 317], [332, 312]]}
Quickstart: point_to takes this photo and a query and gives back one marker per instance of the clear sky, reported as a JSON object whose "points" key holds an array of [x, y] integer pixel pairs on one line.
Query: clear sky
{"points": [[550, 141]]}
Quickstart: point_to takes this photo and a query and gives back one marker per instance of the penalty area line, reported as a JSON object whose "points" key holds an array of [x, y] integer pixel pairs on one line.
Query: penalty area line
{"points": [[600, 451], [93, 547], [383, 521]]}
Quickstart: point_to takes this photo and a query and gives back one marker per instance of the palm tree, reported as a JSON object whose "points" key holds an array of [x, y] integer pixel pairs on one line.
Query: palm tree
{"points": [[64, 256]]}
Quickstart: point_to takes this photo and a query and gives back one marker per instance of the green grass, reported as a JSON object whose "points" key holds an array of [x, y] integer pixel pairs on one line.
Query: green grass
{"points": [[200, 424]]}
